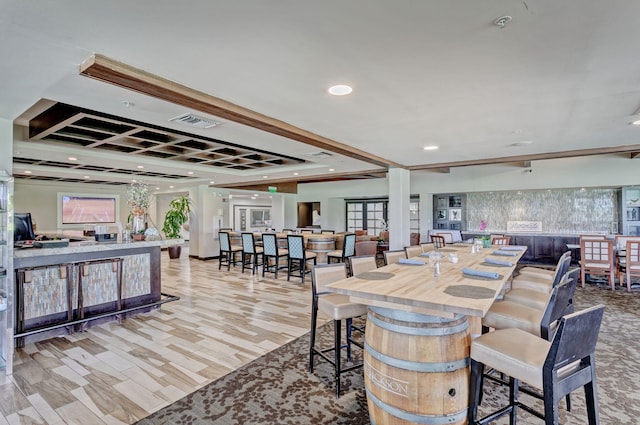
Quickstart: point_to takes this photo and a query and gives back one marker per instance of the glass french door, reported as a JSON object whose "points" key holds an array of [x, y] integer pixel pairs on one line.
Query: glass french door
{"points": [[367, 215]]}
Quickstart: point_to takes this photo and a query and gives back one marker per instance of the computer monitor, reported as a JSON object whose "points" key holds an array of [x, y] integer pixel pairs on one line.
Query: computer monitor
{"points": [[22, 227]]}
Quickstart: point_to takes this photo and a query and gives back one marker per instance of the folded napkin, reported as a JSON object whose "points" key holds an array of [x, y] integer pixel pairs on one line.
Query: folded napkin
{"points": [[480, 273], [513, 248], [505, 253], [411, 261], [425, 254], [498, 262]]}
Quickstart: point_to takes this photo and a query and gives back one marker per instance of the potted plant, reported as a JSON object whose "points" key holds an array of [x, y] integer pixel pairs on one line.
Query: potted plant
{"points": [[176, 216]]}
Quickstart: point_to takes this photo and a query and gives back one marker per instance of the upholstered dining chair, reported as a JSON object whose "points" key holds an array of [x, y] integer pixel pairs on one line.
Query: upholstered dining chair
{"points": [[298, 256], [348, 250], [366, 248], [413, 251], [631, 265], [339, 308], [227, 251], [362, 263], [502, 240], [272, 255], [597, 259], [392, 257], [438, 241], [251, 254], [414, 238], [557, 367], [448, 236]]}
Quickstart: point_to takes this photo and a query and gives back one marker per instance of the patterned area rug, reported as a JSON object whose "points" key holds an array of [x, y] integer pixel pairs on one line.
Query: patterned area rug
{"points": [[277, 389]]}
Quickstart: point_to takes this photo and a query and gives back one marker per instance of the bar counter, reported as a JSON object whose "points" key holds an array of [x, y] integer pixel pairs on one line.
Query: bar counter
{"points": [[58, 286]]}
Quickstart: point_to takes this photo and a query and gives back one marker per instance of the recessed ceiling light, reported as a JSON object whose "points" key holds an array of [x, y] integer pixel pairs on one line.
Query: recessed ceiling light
{"points": [[72, 158], [332, 169], [190, 173], [171, 187], [256, 195], [27, 172], [296, 174], [86, 177], [157, 187], [430, 148], [636, 122], [340, 90], [265, 177], [253, 197], [212, 182], [141, 166]]}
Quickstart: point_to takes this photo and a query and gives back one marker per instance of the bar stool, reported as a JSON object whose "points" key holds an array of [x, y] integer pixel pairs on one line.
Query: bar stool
{"points": [[272, 252], [361, 264], [392, 257], [413, 251], [556, 367], [338, 307], [541, 273], [348, 250], [298, 256], [251, 254], [227, 251]]}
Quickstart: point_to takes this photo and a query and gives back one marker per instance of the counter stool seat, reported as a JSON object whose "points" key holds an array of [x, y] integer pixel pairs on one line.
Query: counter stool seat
{"points": [[556, 367]]}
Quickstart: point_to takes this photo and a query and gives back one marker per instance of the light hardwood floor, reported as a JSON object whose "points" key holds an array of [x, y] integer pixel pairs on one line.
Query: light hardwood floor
{"points": [[119, 373]]}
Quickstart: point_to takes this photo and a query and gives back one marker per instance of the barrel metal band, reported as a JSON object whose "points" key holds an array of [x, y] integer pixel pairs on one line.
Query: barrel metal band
{"points": [[418, 331], [419, 419], [417, 366], [408, 316]]}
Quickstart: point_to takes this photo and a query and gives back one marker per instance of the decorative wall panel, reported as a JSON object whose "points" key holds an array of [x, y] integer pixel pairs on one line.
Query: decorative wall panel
{"points": [[563, 211]]}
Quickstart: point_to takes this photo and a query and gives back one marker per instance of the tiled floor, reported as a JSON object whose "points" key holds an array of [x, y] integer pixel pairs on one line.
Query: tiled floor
{"points": [[118, 373]]}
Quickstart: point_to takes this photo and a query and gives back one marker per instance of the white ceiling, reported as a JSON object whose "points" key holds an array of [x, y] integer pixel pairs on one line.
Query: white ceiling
{"points": [[564, 75]]}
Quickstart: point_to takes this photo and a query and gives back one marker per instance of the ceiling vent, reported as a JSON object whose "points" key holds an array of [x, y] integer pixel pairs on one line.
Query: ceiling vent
{"points": [[320, 154], [195, 121]]}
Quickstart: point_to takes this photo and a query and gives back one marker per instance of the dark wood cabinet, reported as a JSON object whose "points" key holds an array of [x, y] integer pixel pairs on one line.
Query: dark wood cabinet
{"points": [[529, 242]]}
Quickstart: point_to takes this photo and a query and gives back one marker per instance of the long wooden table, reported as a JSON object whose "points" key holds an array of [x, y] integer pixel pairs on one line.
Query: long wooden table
{"points": [[417, 338]]}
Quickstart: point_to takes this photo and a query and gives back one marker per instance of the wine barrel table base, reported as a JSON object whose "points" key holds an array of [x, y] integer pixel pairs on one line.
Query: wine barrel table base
{"points": [[416, 368]]}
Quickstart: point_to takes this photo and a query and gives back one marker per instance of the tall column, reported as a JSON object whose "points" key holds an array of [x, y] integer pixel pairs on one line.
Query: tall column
{"points": [[6, 145], [398, 212]]}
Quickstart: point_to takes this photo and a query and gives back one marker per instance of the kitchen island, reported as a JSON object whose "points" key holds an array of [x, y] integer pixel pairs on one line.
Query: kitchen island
{"points": [[62, 289]]}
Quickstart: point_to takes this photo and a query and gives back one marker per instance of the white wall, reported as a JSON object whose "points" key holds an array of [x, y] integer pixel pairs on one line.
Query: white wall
{"points": [[591, 171], [40, 198]]}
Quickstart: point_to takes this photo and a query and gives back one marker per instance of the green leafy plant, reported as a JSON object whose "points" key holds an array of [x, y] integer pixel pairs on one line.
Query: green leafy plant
{"points": [[176, 216]]}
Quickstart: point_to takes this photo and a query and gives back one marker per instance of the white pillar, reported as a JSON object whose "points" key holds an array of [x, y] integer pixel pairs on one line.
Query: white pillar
{"points": [[6, 145], [398, 210]]}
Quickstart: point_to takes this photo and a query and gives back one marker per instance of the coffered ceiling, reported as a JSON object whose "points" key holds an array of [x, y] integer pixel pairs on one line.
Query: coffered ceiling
{"points": [[559, 79]]}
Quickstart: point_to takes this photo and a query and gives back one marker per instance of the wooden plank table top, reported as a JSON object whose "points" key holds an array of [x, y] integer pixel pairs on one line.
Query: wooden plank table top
{"points": [[414, 288]]}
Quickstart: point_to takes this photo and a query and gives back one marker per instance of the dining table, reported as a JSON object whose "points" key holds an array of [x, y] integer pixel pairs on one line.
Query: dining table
{"points": [[422, 315]]}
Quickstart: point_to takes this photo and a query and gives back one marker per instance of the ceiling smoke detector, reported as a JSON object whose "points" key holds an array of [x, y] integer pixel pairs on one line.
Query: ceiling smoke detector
{"points": [[195, 121], [502, 21]]}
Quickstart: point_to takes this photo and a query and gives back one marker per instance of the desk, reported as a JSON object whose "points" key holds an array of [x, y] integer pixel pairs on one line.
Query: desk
{"points": [[412, 296]]}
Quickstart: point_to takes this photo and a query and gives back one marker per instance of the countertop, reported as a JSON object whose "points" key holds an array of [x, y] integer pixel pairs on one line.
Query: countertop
{"points": [[91, 246]]}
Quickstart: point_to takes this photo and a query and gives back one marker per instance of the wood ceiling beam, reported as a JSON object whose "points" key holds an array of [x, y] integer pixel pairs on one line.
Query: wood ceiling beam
{"points": [[122, 75], [356, 175], [634, 155], [630, 149]]}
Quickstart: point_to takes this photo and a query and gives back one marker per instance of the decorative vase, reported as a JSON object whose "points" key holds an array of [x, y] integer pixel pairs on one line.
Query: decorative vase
{"points": [[138, 224]]}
